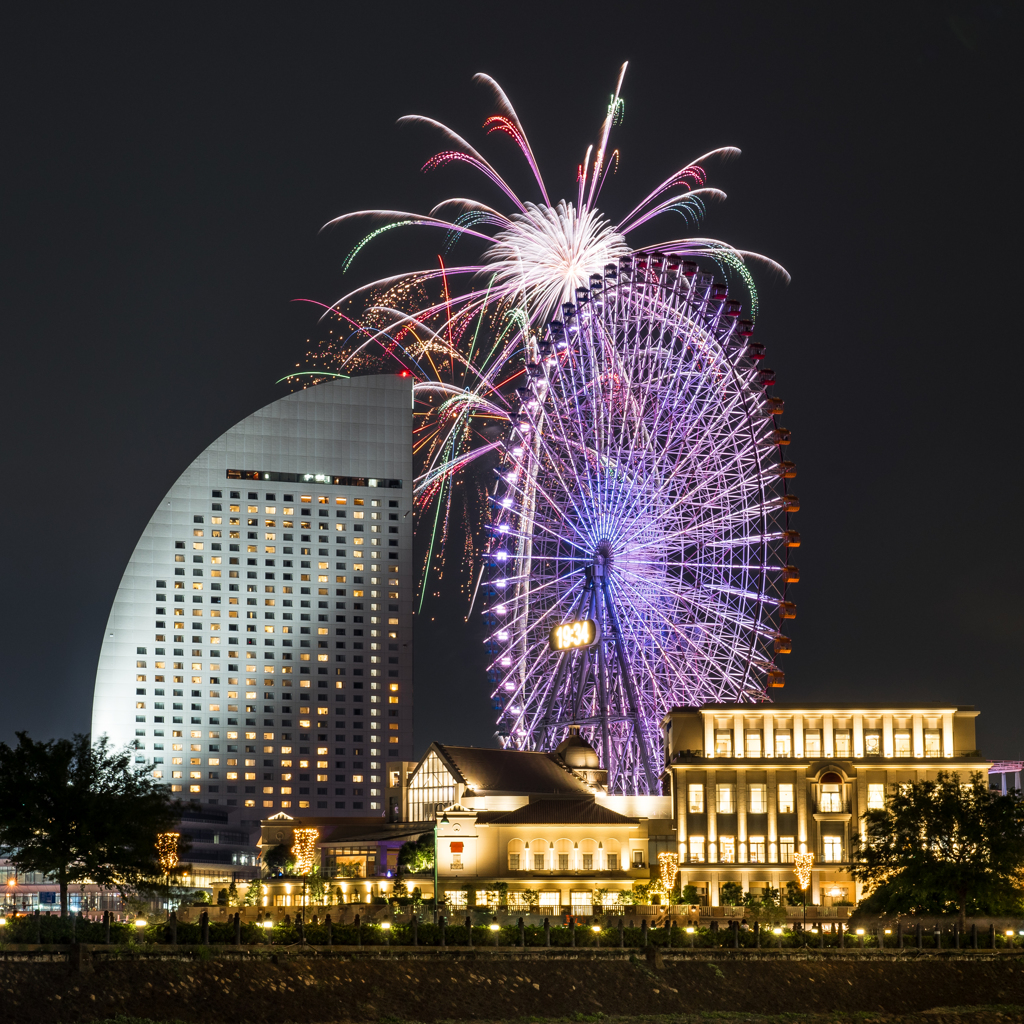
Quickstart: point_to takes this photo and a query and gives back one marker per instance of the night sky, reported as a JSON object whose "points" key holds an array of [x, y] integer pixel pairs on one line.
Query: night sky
{"points": [[164, 182]]}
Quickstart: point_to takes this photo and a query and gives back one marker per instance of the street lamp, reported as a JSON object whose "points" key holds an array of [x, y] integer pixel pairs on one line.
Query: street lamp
{"points": [[443, 821], [496, 928], [596, 929], [689, 931], [386, 928]]}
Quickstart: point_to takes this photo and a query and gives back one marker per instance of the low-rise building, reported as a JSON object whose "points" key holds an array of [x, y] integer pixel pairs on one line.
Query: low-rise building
{"points": [[747, 789], [754, 785]]}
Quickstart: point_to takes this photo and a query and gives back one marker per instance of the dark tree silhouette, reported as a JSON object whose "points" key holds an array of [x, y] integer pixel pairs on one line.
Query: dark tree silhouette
{"points": [[81, 812], [949, 842]]}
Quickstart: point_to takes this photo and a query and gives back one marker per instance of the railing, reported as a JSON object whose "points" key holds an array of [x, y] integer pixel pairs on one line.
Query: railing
{"points": [[832, 807]]}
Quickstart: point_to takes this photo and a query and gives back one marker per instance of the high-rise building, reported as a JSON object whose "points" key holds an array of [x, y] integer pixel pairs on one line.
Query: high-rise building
{"points": [[259, 648]]}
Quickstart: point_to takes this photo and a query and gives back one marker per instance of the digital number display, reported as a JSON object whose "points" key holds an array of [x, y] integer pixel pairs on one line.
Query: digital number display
{"points": [[570, 635]]}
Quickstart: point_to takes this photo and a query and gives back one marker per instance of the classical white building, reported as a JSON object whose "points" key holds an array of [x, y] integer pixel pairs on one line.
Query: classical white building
{"points": [[259, 648]]}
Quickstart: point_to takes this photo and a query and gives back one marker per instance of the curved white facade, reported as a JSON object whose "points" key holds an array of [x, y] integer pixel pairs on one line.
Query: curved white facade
{"points": [[259, 648]]}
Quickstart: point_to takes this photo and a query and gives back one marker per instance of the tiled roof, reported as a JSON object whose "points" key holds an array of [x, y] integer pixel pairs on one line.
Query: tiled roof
{"points": [[488, 770], [557, 812]]}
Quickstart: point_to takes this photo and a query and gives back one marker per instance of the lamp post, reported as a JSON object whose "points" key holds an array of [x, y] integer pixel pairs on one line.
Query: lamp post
{"points": [[386, 928], [437, 824]]}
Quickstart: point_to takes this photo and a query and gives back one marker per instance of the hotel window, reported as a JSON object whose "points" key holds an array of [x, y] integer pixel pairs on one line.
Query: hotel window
{"points": [[538, 862], [513, 862], [727, 849], [786, 799], [833, 849], [787, 847], [757, 800], [902, 743], [725, 798], [756, 846], [588, 862], [612, 861], [696, 849], [843, 742], [753, 744], [723, 743], [876, 796], [549, 899], [696, 798], [933, 743], [872, 742], [563, 862], [812, 743], [784, 744], [831, 798]]}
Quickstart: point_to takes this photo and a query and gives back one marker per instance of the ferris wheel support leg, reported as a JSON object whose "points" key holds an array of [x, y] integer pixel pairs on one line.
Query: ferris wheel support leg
{"points": [[602, 689], [634, 703]]}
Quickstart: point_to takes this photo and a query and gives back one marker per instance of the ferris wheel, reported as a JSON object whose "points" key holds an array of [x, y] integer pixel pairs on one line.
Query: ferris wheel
{"points": [[638, 546]]}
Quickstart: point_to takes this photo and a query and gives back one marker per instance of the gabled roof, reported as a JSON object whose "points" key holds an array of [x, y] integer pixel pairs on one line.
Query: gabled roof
{"points": [[557, 812], [489, 770]]}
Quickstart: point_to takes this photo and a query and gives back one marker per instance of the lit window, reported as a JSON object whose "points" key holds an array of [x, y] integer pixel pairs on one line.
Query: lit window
{"points": [[756, 847], [933, 743], [753, 744], [787, 847], [876, 796], [758, 798], [786, 799], [833, 849], [725, 798], [195, 789], [872, 743], [723, 743], [812, 743], [696, 798], [831, 798], [783, 744], [842, 741], [727, 849], [696, 844], [901, 740]]}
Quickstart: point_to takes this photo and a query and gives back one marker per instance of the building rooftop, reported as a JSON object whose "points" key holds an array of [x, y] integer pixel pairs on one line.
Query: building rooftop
{"points": [[557, 812], [489, 770], [874, 709]]}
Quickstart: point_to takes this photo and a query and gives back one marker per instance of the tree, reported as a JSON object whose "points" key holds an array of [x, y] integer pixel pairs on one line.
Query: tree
{"points": [[795, 896], [943, 844], [317, 888], [731, 894], [77, 811], [233, 894], [254, 894], [277, 860], [689, 896], [416, 856]]}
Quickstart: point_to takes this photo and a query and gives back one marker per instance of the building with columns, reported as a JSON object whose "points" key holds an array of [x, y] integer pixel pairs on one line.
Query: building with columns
{"points": [[753, 785], [746, 788]]}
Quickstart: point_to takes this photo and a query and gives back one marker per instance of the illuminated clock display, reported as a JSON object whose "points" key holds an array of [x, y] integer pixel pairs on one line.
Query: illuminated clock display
{"points": [[571, 635]]}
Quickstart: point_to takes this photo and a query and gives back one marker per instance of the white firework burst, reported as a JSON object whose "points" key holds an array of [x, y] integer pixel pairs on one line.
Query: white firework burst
{"points": [[548, 252], [540, 254]]}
